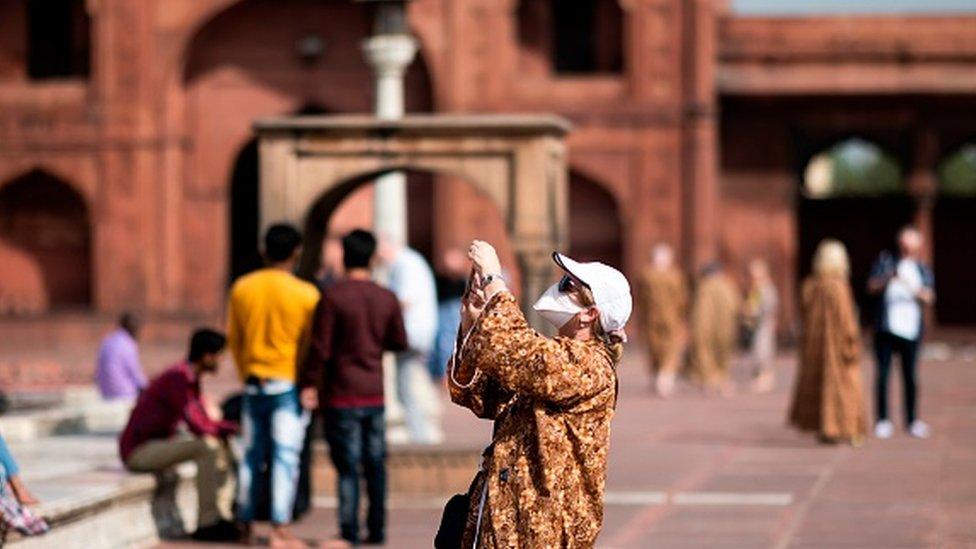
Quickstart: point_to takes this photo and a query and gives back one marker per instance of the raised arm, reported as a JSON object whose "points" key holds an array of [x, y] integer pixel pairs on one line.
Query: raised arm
{"points": [[503, 347], [473, 390]]}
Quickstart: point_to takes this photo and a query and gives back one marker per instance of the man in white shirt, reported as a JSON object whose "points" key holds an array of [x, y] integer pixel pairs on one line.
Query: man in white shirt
{"points": [[412, 280], [904, 286]]}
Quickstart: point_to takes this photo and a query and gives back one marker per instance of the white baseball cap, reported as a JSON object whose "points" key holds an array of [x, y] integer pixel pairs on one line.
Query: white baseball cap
{"points": [[610, 289]]}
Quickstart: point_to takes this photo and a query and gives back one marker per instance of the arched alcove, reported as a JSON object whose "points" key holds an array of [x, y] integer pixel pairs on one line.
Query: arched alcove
{"points": [[244, 207], [854, 167], [570, 38], [595, 232], [853, 191], [47, 223], [349, 205], [953, 230]]}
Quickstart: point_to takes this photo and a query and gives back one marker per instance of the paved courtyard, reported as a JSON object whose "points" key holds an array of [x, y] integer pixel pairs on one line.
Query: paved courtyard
{"points": [[711, 472]]}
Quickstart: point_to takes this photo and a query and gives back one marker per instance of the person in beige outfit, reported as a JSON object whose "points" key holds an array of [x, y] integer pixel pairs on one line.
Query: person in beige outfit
{"points": [[662, 305], [828, 398], [714, 326]]}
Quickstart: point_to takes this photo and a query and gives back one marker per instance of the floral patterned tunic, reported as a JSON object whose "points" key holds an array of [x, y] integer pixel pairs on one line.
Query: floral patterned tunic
{"points": [[663, 301], [552, 401]]}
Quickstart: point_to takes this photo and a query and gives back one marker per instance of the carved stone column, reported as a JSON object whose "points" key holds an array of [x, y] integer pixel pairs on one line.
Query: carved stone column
{"points": [[389, 52]]}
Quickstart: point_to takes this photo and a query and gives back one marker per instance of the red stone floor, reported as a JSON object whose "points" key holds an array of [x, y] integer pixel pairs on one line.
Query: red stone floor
{"points": [[695, 471]]}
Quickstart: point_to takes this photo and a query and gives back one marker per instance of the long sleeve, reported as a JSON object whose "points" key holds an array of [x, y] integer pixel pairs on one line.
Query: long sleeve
{"points": [[850, 330], [472, 390], [133, 367], [182, 397], [10, 467], [881, 272], [320, 348], [395, 338], [559, 371]]}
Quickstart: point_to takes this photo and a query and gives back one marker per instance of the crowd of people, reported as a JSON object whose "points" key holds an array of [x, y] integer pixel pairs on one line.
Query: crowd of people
{"points": [[302, 349], [699, 336]]}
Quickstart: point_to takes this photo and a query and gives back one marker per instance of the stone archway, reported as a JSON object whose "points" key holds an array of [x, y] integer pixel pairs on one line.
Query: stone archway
{"points": [[517, 161]]}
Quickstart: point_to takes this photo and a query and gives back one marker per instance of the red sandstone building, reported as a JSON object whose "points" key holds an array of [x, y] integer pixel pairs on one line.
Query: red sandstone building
{"points": [[128, 166]]}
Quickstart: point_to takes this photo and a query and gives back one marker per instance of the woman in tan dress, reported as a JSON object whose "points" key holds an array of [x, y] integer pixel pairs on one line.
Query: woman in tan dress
{"points": [[542, 477], [663, 303], [828, 397], [714, 327]]}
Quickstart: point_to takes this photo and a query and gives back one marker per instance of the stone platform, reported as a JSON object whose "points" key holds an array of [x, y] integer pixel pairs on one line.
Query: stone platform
{"points": [[689, 472], [694, 472]]}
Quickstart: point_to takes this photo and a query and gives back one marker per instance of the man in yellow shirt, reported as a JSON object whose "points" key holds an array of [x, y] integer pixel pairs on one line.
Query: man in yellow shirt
{"points": [[269, 317]]}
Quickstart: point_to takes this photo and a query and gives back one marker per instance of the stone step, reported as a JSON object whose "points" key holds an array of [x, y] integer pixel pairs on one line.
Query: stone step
{"points": [[112, 509], [92, 502], [439, 470], [74, 412]]}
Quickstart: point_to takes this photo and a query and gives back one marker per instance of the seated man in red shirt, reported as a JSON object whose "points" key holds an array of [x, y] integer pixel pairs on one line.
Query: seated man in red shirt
{"points": [[150, 442]]}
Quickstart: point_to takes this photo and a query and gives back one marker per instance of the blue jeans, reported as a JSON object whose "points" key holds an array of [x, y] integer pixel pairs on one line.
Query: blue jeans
{"points": [[356, 438], [272, 425]]}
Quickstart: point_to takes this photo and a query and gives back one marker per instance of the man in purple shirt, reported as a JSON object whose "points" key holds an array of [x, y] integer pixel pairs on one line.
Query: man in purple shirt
{"points": [[119, 374]]}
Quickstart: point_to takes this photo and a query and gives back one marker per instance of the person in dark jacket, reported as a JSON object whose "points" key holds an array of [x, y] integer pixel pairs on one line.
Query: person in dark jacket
{"points": [[904, 286], [356, 321]]}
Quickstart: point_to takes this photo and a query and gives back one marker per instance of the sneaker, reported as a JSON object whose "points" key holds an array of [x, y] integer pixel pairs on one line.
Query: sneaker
{"points": [[222, 531], [919, 429], [884, 429]]}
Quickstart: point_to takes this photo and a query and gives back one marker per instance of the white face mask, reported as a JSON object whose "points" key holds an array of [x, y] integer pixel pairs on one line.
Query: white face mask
{"points": [[556, 307]]}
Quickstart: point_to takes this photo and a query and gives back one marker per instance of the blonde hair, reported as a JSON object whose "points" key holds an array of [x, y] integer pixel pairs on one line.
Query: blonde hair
{"points": [[612, 343], [831, 259]]}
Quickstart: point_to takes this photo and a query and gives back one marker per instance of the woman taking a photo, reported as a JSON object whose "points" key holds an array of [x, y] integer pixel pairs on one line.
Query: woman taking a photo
{"points": [[542, 478]]}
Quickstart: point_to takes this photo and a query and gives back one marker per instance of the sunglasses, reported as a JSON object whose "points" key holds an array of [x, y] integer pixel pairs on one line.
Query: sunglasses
{"points": [[568, 284]]}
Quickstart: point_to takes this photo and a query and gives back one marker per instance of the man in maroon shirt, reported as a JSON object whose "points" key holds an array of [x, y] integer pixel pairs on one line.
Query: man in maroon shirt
{"points": [[150, 442], [355, 322]]}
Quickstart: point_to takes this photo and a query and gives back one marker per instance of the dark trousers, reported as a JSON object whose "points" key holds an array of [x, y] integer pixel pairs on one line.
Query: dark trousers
{"points": [[886, 345], [356, 438]]}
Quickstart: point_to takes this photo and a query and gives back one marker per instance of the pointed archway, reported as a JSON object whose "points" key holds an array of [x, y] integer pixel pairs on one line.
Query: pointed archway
{"points": [[45, 226], [839, 184], [595, 233]]}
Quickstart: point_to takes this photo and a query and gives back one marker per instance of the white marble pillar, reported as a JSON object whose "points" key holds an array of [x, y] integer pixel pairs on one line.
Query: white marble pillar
{"points": [[389, 55]]}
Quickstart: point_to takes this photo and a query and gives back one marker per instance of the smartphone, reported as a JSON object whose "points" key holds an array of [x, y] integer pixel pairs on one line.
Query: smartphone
{"points": [[471, 283]]}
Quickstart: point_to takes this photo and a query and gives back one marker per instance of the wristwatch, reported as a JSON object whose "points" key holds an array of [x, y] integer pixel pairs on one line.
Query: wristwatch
{"points": [[489, 278]]}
